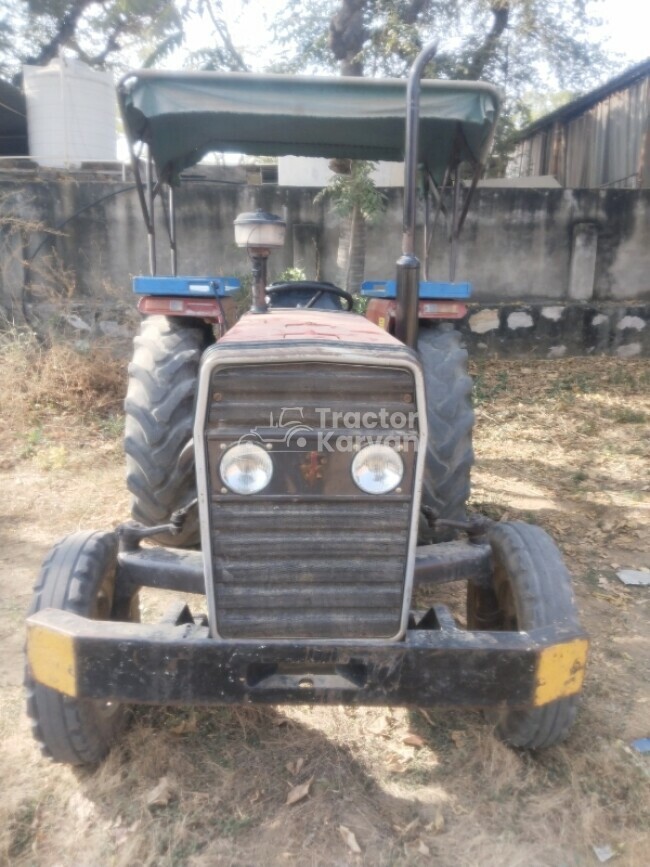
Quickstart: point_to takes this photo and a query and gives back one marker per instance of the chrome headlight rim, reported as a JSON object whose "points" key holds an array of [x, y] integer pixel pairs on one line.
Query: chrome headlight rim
{"points": [[393, 462], [234, 458]]}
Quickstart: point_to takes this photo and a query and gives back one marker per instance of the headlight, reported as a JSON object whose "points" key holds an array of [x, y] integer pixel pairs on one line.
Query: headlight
{"points": [[377, 469], [246, 468]]}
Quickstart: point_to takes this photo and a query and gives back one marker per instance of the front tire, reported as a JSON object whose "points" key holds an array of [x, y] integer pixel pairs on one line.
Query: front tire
{"points": [[159, 407], [531, 589], [78, 575]]}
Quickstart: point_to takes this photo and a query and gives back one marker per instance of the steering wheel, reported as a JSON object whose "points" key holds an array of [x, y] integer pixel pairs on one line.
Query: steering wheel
{"points": [[319, 289]]}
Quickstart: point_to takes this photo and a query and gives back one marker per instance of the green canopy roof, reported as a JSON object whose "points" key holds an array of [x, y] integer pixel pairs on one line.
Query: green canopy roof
{"points": [[183, 116]]}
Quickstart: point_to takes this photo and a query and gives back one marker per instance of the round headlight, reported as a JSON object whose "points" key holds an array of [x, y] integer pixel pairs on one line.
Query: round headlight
{"points": [[377, 469], [246, 468]]}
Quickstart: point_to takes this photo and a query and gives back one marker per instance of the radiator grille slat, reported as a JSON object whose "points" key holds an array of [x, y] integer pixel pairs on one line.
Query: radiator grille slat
{"points": [[306, 567], [314, 596]]}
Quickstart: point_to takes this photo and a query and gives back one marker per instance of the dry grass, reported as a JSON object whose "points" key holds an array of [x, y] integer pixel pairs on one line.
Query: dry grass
{"points": [[51, 396], [562, 443], [62, 378]]}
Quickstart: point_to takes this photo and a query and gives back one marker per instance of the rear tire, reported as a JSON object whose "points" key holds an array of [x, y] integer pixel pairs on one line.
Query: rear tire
{"points": [[450, 419], [78, 575], [158, 434], [531, 589]]}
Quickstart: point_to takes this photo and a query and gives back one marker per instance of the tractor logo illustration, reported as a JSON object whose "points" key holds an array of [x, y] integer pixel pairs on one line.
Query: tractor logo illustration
{"points": [[289, 429]]}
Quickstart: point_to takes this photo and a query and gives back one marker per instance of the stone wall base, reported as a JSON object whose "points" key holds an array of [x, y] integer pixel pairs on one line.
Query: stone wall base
{"points": [[556, 331]]}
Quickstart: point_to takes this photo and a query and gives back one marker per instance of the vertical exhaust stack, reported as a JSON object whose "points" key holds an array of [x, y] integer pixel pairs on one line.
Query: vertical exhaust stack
{"points": [[408, 265]]}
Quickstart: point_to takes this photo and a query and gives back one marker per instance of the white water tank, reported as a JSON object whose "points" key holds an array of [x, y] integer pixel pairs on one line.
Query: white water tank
{"points": [[71, 113]]}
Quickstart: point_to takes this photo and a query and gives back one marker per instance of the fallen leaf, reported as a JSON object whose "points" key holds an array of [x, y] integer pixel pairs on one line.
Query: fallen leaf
{"points": [[379, 727], [122, 834], [406, 830], [458, 738], [185, 726], [427, 716], [423, 849], [603, 853], [294, 767], [299, 793], [349, 839], [161, 794], [412, 740], [397, 764], [81, 806]]}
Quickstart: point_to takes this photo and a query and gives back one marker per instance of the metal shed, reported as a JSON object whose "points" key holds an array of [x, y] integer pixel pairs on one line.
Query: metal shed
{"points": [[601, 139]]}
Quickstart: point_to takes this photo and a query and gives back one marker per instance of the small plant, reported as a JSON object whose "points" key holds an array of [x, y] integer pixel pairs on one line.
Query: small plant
{"points": [[355, 191], [52, 458], [485, 390], [361, 304], [591, 576], [112, 427], [629, 416], [291, 275], [32, 439], [243, 296]]}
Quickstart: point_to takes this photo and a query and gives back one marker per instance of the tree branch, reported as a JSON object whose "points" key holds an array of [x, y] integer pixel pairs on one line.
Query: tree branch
{"points": [[501, 11], [64, 35], [238, 64]]}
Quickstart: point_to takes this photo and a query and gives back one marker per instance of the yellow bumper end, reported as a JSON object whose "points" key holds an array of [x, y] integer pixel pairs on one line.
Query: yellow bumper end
{"points": [[560, 671], [51, 658]]}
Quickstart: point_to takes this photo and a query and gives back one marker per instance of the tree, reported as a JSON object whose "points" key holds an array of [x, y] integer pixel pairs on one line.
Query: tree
{"points": [[99, 32], [357, 200], [224, 54], [116, 34], [520, 45]]}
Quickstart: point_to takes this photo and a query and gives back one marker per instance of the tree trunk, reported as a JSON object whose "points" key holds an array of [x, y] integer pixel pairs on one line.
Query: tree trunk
{"points": [[346, 39], [501, 11], [357, 258], [351, 253], [347, 36]]}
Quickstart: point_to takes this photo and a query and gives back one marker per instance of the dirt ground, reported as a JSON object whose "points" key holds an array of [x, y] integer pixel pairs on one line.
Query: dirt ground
{"points": [[565, 444]]}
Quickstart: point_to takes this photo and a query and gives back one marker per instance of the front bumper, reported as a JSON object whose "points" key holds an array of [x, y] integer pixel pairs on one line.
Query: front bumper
{"points": [[177, 663]]}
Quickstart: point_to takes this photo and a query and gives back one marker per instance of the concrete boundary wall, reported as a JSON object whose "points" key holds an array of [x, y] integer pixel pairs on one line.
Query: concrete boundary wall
{"points": [[522, 249]]}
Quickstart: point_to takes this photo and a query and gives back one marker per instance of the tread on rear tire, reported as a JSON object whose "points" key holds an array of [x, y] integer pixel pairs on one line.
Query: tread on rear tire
{"points": [[450, 418], [159, 406]]}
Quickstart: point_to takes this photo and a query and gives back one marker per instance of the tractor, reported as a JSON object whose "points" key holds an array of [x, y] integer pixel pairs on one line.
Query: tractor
{"points": [[305, 468]]}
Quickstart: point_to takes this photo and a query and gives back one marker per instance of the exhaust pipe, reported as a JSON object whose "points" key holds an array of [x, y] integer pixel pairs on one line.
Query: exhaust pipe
{"points": [[408, 265]]}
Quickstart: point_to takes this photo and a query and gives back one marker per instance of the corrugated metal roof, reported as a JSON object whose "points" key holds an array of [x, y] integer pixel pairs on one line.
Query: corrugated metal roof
{"points": [[583, 103]]}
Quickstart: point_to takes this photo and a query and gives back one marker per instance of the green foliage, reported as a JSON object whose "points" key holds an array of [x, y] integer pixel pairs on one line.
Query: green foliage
{"points": [[102, 33], [291, 275], [355, 190], [523, 46]]}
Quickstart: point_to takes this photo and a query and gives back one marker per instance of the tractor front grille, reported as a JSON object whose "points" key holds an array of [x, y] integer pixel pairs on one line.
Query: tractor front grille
{"points": [[311, 556]]}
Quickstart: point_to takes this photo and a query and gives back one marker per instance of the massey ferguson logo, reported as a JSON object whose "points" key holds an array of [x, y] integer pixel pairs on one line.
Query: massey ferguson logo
{"points": [[336, 430]]}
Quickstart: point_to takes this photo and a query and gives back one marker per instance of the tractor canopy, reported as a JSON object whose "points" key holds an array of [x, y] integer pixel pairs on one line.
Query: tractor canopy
{"points": [[182, 116]]}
